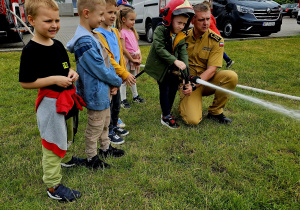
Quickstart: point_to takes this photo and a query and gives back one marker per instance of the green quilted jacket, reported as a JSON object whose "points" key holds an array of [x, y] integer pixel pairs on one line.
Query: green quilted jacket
{"points": [[162, 54]]}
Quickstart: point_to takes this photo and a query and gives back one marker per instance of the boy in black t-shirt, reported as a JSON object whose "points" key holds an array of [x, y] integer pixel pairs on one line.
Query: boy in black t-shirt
{"points": [[45, 66]]}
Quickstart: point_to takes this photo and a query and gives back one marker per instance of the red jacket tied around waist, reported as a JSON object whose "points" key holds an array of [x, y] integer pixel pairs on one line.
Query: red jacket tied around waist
{"points": [[65, 100]]}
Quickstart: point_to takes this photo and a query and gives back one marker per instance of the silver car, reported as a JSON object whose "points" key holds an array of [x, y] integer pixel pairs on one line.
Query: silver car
{"points": [[295, 11]]}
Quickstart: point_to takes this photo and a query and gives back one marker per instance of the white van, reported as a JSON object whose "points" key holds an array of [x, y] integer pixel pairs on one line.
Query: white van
{"points": [[147, 15]]}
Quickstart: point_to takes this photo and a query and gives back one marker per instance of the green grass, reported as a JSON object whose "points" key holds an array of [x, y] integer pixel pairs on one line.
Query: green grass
{"points": [[251, 164]]}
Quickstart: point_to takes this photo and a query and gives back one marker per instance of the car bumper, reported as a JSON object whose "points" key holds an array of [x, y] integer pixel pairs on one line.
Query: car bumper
{"points": [[249, 24]]}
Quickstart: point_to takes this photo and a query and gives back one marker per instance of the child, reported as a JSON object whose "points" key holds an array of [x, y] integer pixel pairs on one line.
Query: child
{"points": [[213, 27], [45, 65], [111, 40], [125, 24], [168, 53], [98, 80]]}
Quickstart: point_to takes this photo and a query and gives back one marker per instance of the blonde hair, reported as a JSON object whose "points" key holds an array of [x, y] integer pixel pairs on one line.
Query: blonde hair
{"points": [[88, 4], [123, 13], [31, 6], [112, 2]]}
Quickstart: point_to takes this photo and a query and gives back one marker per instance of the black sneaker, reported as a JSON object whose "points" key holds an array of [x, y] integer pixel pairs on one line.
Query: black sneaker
{"points": [[96, 163], [115, 139], [63, 193], [221, 118], [169, 122], [125, 104], [111, 151], [229, 63], [120, 131], [138, 99], [75, 161]]}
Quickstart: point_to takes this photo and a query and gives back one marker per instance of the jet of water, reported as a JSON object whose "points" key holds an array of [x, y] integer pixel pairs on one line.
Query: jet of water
{"points": [[276, 107]]}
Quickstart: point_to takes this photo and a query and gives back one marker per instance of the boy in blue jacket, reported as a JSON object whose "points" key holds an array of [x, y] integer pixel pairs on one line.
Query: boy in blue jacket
{"points": [[97, 82]]}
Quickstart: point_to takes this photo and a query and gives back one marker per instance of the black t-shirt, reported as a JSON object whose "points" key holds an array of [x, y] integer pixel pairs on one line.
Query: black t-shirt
{"points": [[40, 61]]}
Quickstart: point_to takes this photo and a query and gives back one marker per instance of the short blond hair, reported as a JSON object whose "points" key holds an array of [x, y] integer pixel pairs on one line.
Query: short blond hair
{"points": [[31, 6], [88, 4], [112, 2]]}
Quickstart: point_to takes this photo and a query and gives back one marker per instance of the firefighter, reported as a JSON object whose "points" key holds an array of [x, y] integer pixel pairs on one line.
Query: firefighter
{"points": [[205, 49]]}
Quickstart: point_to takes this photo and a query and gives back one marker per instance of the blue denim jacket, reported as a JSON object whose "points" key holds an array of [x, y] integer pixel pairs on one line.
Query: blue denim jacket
{"points": [[95, 78]]}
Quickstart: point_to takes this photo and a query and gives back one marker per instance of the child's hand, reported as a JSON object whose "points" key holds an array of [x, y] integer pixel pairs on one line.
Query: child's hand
{"points": [[73, 75], [187, 90], [136, 61], [130, 80], [63, 81], [113, 90], [181, 65]]}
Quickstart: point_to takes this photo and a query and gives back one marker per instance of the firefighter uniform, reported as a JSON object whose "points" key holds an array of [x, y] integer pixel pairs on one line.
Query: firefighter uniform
{"points": [[206, 51]]}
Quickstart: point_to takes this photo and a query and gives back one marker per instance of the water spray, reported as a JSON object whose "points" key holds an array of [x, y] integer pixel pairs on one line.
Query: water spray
{"points": [[269, 92], [276, 107]]}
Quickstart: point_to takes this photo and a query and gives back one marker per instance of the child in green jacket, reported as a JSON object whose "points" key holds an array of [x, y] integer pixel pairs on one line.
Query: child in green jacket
{"points": [[168, 54]]}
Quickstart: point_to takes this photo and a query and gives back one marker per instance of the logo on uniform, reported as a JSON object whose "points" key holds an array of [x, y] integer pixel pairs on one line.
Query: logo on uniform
{"points": [[206, 48], [65, 65], [221, 44]]}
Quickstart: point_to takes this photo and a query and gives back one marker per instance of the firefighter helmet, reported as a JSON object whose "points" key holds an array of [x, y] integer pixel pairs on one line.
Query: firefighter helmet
{"points": [[177, 7]]}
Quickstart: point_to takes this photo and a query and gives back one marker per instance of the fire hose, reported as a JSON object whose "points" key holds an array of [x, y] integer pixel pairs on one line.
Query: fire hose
{"points": [[19, 19], [245, 87]]}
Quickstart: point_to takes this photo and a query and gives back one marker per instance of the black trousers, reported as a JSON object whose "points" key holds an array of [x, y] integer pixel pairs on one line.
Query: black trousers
{"points": [[115, 106], [167, 92]]}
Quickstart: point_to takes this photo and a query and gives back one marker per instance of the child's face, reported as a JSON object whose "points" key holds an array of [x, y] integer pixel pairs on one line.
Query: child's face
{"points": [[46, 23], [178, 23], [96, 16], [129, 21], [110, 14]]}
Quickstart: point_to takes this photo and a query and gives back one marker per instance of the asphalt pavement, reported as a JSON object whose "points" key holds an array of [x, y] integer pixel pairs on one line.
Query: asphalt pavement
{"points": [[69, 24]]}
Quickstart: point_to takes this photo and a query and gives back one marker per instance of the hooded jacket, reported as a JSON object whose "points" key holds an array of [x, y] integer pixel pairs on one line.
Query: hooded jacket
{"points": [[163, 54], [95, 77]]}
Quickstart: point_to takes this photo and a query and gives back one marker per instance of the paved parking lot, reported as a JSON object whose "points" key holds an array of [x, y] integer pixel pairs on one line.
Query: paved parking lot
{"points": [[69, 24]]}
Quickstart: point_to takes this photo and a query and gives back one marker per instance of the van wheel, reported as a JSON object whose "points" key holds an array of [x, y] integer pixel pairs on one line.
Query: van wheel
{"points": [[149, 32], [228, 29]]}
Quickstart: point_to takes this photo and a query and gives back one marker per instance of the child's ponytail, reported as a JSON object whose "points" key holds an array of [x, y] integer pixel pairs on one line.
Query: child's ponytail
{"points": [[119, 21], [135, 33]]}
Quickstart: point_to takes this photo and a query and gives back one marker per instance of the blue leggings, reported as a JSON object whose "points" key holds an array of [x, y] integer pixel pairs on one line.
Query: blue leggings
{"points": [[226, 58]]}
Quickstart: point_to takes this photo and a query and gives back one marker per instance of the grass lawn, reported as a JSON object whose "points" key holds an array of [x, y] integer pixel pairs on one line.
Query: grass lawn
{"points": [[252, 163]]}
